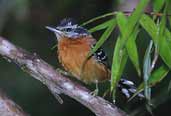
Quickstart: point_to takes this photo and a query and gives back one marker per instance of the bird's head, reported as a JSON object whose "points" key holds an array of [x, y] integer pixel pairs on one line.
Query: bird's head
{"points": [[68, 28]]}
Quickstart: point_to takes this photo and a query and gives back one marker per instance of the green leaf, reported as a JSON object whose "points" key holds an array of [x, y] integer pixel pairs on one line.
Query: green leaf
{"points": [[134, 18], [158, 75], [164, 50], [167, 32], [99, 43], [168, 11], [147, 71], [168, 37], [104, 37], [157, 5], [53, 47], [132, 50], [119, 58], [102, 26], [121, 21], [118, 63], [169, 18], [148, 24], [131, 24], [162, 25], [155, 78], [99, 17], [137, 13], [131, 44]]}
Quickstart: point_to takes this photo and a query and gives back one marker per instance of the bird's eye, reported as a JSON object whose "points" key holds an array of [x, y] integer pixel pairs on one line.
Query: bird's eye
{"points": [[67, 29]]}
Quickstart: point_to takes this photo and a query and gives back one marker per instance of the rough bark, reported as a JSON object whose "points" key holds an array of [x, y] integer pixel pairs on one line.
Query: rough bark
{"points": [[9, 108], [57, 83]]}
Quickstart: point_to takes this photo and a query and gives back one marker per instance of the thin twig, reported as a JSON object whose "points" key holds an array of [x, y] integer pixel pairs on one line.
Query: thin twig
{"points": [[56, 82], [127, 13]]}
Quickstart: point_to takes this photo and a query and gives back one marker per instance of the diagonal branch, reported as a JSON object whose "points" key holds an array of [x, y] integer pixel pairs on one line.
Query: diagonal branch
{"points": [[9, 108], [56, 83]]}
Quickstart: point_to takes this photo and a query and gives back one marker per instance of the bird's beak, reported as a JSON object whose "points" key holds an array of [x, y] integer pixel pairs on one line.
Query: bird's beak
{"points": [[57, 32]]}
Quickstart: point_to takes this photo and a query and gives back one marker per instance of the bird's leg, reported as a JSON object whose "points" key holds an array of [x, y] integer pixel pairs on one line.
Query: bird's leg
{"points": [[63, 72], [106, 93], [96, 91]]}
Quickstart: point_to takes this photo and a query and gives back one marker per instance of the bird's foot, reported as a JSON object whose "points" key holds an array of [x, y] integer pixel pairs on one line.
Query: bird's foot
{"points": [[107, 92], [63, 72], [95, 92]]}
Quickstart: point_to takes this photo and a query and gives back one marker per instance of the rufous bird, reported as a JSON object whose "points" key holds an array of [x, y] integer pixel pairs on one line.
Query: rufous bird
{"points": [[74, 44]]}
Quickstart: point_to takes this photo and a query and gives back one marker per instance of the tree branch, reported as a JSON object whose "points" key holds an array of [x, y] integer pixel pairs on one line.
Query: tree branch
{"points": [[9, 108], [56, 83]]}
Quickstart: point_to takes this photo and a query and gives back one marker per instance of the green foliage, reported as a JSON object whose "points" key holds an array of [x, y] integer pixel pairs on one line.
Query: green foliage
{"points": [[110, 25], [154, 78], [103, 26], [126, 47], [130, 44], [159, 39], [147, 71], [121, 54], [132, 21], [119, 60], [157, 5]]}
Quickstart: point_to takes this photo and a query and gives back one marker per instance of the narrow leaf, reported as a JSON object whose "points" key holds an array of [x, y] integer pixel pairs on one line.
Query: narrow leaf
{"points": [[102, 26], [104, 37], [147, 71], [99, 43], [168, 37], [155, 78], [164, 50], [158, 4], [132, 50], [148, 24], [137, 13], [119, 60], [98, 17], [131, 44]]}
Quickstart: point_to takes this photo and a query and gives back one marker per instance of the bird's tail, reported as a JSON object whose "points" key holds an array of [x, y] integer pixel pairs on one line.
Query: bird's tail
{"points": [[128, 88]]}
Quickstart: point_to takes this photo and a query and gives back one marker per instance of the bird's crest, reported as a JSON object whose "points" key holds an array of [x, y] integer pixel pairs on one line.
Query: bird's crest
{"points": [[67, 22]]}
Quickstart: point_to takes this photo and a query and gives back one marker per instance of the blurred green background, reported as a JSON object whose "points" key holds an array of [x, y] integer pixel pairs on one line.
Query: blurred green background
{"points": [[23, 23]]}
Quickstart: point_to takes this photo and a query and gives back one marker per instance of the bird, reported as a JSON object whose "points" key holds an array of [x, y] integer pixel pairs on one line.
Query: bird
{"points": [[74, 43]]}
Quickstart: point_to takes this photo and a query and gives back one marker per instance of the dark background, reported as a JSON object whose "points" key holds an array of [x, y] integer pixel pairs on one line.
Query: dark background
{"points": [[24, 21]]}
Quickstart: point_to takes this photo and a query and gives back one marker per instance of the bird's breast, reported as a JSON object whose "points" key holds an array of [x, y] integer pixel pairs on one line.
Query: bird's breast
{"points": [[72, 55]]}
